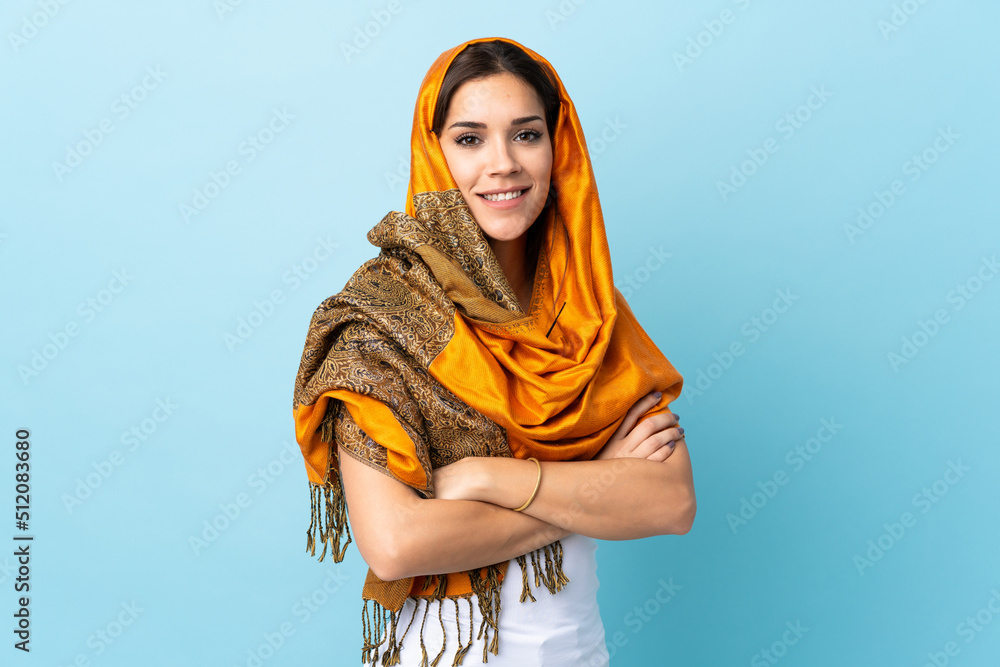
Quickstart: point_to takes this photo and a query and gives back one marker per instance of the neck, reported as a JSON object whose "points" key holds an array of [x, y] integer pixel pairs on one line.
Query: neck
{"points": [[512, 256]]}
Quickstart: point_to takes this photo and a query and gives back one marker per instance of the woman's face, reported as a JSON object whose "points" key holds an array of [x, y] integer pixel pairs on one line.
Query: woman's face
{"points": [[495, 141]]}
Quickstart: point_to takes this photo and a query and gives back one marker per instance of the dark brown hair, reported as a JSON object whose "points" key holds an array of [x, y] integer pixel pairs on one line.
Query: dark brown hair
{"points": [[484, 59]]}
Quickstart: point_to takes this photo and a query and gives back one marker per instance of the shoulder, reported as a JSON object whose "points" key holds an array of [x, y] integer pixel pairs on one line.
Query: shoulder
{"points": [[393, 296], [396, 278]]}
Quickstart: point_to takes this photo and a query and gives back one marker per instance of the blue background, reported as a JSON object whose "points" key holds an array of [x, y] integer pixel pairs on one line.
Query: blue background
{"points": [[673, 130]]}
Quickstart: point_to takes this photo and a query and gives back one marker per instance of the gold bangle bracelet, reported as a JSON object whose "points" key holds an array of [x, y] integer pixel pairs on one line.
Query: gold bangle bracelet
{"points": [[537, 483]]}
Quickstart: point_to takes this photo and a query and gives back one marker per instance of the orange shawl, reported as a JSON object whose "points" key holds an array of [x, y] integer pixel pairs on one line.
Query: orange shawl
{"points": [[432, 321]]}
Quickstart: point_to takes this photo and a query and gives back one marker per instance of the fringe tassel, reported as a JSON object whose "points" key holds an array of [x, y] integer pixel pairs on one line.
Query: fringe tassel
{"points": [[552, 575], [328, 521], [439, 595], [525, 589], [555, 576], [462, 649], [440, 589], [328, 426], [370, 633], [391, 656], [488, 592], [444, 636], [384, 630], [382, 626], [423, 649], [378, 630]]}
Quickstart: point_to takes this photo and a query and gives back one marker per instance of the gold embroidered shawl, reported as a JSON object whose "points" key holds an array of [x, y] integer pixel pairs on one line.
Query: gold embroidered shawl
{"points": [[426, 357]]}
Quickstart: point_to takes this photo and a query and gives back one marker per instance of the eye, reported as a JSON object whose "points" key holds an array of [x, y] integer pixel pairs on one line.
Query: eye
{"points": [[533, 135], [460, 140]]}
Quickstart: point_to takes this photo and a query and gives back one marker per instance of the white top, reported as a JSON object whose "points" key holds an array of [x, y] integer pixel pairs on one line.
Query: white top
{"points": [[561, 629]]}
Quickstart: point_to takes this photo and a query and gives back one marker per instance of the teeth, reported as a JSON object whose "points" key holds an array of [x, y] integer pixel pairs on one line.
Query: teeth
{"points": [[504, 195]]}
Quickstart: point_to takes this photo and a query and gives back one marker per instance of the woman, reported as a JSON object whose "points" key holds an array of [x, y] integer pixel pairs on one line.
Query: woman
{"points": [[480, 393]]}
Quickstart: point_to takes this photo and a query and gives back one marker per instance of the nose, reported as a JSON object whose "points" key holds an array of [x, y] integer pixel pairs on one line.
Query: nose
{"points": [[500, 159]]}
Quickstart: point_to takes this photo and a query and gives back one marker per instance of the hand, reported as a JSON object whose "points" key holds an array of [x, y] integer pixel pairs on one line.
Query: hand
{"points": [[653, 439], [455, 481]]}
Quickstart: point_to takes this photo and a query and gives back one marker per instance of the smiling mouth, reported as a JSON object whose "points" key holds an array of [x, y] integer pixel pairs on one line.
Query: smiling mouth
{"points": [[504, 196]]}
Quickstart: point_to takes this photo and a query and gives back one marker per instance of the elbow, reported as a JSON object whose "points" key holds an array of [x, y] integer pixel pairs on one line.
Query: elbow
{"points": [[680, 518], [680, 502], [686, 519], [387, 559], [384, 572], [400, 547], [383, 552], [382, 568]]}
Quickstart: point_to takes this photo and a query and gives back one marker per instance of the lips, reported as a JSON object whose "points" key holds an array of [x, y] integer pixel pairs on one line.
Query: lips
{"points": [[507, 196], [504, 195]]}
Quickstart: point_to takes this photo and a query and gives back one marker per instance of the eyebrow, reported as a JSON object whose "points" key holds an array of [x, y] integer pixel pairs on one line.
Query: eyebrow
{"points": [[482, 126]]}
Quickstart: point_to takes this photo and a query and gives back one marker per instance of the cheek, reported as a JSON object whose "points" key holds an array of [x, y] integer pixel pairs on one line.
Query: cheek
{"points": [[468, 180], [464, 175], [459, 167], [543, 168], [544, 178]]}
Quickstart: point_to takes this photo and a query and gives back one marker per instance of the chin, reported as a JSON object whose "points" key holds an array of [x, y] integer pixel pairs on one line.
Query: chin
{"points": [[504, 232], [498, 229]]}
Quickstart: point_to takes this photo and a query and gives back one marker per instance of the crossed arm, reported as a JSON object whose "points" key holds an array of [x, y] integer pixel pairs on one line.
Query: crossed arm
{"points": [[470, 524]]}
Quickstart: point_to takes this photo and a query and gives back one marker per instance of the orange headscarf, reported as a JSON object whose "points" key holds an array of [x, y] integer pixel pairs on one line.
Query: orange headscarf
{"points": [[558, 380]]}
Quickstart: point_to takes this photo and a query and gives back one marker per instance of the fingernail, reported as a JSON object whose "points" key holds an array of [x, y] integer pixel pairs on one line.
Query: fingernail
{"points": [[680, 429], [677, 415], [657, 394]]}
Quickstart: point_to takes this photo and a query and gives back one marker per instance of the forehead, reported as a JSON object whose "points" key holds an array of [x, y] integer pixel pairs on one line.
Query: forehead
{"points": [[499, 95]]}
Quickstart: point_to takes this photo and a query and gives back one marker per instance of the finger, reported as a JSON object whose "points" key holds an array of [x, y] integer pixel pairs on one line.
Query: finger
{"points": [[638, 409], [667, 419], [652, 425], [643, 439], [667, 438], [642, 406], [654, 442], [661, 454], [668, 449]]}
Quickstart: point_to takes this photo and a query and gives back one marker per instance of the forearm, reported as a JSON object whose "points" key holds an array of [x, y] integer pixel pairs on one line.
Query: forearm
{"points": [[437, 536], [609, 499]]}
